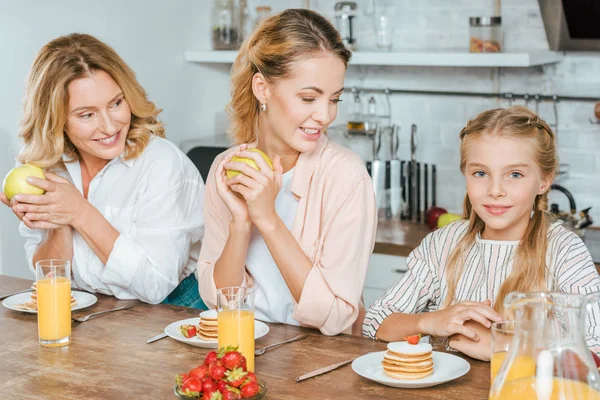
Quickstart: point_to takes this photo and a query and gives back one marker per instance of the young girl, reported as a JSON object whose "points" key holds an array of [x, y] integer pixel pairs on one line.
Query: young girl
{"points": [[301, 233], [458, 277]]}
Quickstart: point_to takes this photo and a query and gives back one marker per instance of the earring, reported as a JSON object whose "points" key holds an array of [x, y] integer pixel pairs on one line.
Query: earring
{"points": [[263, 107]]}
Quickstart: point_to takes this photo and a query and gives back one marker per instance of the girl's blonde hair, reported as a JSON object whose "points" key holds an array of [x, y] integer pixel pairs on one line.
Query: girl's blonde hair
{"points": [[529, 266], [279, 41], [60, 62]]}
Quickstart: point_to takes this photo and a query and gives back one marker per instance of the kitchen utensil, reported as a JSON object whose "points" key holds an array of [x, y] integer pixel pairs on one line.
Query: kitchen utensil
{"points": [[323, 370], [13, 293], [156, 338], [418, 189], [383, 25], [262, 350], [425, 189], [433, 185], [395, 173], [376, 169], [87, 317], [413, 173], [345, 11]]}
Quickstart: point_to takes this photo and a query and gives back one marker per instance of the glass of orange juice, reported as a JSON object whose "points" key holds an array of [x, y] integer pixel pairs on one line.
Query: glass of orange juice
{"points": [[53, 283], [235, 320]]}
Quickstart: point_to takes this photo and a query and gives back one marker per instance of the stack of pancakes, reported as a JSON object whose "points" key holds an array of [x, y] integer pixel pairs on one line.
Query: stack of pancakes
{"points": [[208, 329], [408, 361], [32, 305]]}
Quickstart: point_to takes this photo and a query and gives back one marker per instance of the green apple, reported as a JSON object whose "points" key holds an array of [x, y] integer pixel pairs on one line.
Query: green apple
{"points": [[447, 218], [231, 173], [16, 181]]}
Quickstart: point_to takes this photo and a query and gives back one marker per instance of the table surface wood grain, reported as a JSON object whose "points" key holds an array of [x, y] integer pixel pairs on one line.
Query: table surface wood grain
{"points": [[109, 359]]}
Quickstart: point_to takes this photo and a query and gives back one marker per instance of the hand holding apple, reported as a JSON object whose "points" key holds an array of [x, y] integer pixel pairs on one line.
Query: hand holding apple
{"points": [[234, 202], [259, 187], [15, 181]]}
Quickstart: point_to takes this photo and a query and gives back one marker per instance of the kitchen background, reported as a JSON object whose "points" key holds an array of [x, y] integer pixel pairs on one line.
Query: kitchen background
{"points": [[152, 36]]}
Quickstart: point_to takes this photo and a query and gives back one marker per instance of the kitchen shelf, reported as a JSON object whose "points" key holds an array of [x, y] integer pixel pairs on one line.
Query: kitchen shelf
{"points": [[430, 59]]}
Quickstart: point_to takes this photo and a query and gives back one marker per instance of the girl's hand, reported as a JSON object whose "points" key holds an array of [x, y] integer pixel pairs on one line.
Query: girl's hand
{"points": [[61, 205], [235, 203], [258, 188], [451, 320], [481, 350]]}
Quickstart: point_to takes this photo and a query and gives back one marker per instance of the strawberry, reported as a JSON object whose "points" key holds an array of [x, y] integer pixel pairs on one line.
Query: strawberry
{"points": [[228, 392], [236, 377], [216, 395], [250, 378], [244, 367], [412, 339], [210, 357], [180, 378], [188, 330], [208, 385], [231, 396], [199, 372], [191, 387], [250, 389], [232, 360], [216, 370]]}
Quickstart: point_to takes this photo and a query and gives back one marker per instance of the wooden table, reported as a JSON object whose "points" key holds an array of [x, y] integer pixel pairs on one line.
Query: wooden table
{"points": [[109, 359]]}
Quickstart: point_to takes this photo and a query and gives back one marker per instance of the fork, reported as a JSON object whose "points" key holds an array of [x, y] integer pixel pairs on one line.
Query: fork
{"points": [[261, 351], [87, 317]]}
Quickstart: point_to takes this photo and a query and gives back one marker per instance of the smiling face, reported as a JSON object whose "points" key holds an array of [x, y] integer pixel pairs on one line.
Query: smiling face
{"points": [[503, 179], [301, 106], [98, 117]]}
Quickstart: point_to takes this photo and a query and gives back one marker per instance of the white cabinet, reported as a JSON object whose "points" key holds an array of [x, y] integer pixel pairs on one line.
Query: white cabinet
{"points": [[382, 272]]}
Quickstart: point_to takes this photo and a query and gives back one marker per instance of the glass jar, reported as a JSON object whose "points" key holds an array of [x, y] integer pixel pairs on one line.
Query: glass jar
{"points": [[224, 28], [262, 13], [486, 34]]}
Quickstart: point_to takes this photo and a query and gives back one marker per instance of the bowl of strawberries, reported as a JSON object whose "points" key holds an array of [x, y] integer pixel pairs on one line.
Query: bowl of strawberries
{"points": [[222, 376]]}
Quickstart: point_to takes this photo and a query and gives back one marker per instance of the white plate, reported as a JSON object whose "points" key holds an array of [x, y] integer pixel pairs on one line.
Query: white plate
{"points": [[446, 367], [172, 330], [83, 299]]}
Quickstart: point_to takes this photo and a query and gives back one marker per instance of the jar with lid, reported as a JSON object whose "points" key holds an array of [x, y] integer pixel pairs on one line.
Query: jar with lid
{"points": [[486, 34], [224, 28], [262, 13]]}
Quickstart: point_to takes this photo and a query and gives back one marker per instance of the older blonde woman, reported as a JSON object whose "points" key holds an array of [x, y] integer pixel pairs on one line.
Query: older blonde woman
{"points": [[121, 202]]}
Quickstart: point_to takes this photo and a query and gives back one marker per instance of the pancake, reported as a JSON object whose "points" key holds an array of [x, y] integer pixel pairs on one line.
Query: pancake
{"points": [[32, 305], [408, 361], [208, 329]]}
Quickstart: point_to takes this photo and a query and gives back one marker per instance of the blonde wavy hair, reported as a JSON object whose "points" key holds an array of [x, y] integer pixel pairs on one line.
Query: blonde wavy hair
{"points": [[273, 47], [530, 271], [60, 62]]}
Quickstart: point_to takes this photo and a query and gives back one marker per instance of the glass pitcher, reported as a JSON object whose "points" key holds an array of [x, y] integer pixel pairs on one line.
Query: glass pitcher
{"points": [[548, 357]]}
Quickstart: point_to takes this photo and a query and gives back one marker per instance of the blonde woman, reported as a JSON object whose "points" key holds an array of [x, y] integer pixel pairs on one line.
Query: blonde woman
{"points": [[458, 277], [302, 233], [121, 202]]}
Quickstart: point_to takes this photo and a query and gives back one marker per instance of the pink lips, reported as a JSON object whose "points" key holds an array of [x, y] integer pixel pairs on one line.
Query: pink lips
{"points": [[314, 136], [495, 209], [114, 140]]}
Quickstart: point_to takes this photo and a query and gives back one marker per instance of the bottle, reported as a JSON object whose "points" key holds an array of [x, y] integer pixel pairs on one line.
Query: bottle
{"points": [[224, 30]]}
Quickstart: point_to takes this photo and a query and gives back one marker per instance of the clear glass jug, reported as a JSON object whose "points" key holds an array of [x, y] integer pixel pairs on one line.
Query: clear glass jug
{"points": [[548, 357]]}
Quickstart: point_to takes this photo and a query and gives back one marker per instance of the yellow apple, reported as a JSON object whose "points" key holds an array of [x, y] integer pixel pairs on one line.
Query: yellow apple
{"points": [[231, 173], [447, 218], [16, 181]]}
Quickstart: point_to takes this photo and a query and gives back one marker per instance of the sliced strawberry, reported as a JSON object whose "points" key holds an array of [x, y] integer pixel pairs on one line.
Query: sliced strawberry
{"points": [[188, 330], [250, 389], [413, 339]]}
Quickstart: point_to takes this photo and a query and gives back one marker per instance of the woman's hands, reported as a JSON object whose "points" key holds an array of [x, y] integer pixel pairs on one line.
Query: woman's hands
{"points": [[258, 188], [453, 320], [481, 349], [62, 204]]}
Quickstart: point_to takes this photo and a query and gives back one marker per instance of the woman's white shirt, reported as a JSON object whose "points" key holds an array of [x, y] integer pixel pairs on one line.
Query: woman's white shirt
{"points": [[155, 202], [273, 301]]}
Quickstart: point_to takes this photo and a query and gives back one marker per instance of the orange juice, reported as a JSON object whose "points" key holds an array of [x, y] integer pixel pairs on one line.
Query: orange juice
{"points": [[523, 367], [236, 328], [54, 309], [562, 389]]}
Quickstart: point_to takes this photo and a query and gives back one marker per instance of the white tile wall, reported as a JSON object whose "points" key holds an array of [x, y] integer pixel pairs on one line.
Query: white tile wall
{"points": [[443, 25]]}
